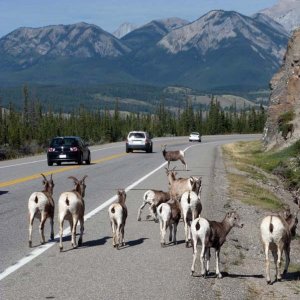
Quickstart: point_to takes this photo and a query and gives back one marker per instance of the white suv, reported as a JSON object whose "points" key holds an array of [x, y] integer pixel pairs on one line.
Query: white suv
{"points": [[139, 140]]}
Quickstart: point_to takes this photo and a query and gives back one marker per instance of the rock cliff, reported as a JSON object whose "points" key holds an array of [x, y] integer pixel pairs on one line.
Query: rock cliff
{"points": [[283, 122]]}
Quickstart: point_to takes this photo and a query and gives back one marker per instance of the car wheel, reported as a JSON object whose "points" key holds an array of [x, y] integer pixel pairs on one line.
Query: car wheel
{"points": [[58, 163], [80, 160], [127, 150], [88, 161], [50, 163]]}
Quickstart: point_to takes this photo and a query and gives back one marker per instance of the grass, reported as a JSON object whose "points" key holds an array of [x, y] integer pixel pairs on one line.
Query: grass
{"points": [[253, 165]]}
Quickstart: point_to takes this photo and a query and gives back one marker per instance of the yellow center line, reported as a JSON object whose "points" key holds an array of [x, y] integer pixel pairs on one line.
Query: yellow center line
{"points": [[60, 170]]}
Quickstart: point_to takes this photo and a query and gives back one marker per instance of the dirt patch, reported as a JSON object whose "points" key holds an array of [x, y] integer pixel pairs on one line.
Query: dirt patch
{"points": [[242, 256]]}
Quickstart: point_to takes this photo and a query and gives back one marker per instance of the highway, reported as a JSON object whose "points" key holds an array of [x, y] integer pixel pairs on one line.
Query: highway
{"points": [[141, 269]]}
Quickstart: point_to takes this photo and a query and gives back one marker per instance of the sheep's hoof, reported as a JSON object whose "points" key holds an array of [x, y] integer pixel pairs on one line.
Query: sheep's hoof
{"points": [[60, 248], [203, 275], [269, 282], [156, 220], [219, 276], [192, 273], [52, 236], [42, 243], [284, 271], [30, 244], [186, 244], [162, 245], [118, 247], [175, 242], [79, 242], [148, 217], [139, 219], [278, 279]]}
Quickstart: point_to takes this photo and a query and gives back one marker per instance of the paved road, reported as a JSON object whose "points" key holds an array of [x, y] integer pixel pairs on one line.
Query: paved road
{"points": [[142, 269]]}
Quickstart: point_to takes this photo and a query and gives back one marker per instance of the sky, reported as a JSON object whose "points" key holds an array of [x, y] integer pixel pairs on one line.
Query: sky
{"points": [[109, 14]]}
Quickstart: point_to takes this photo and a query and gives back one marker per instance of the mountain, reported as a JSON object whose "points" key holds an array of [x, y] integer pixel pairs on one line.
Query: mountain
{"points": [[124, 29], [149, 34], [222, 50], [25, 46], [285, 12]]}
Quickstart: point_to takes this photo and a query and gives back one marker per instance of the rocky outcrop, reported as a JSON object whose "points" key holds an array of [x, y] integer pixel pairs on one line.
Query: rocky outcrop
{"points": [[283, 122]]}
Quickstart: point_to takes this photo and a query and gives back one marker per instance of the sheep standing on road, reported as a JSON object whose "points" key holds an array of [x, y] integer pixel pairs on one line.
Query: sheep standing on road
{"points": [[212, 234], [276, 234], [118, 215], [71, 207], [154, 198], [168, 215], [191, 208], [173, 156], [41, 205]]}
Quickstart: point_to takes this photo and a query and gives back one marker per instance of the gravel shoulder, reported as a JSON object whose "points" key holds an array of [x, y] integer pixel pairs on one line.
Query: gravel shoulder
{"points": [[242, 256]]}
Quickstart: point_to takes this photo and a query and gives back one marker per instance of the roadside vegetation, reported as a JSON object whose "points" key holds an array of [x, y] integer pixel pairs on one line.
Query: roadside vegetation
{"points": [[28, 130], [251, 168]]}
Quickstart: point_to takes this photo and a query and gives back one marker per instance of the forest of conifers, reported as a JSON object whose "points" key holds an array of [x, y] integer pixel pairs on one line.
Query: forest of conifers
{"points": [[28, 131]]}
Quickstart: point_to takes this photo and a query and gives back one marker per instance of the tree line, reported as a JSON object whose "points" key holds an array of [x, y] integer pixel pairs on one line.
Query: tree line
{"points": [[29, 130]]}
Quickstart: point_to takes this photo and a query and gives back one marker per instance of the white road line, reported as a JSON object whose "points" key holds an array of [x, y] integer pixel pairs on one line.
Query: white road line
{"points": [[42, 248]]}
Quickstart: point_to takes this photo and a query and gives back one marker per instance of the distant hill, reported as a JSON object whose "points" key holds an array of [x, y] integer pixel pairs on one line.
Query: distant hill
{"points": [[222, 50], [124, 29]]}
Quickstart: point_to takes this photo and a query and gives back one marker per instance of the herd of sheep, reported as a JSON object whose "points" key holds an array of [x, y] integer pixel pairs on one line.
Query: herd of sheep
{"points": [[183, 200]]}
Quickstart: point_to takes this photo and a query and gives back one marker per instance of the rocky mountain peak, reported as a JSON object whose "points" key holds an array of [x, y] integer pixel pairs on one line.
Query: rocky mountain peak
{"points": [[217, 28], [124, 29], [285, 12], [282, 126]]}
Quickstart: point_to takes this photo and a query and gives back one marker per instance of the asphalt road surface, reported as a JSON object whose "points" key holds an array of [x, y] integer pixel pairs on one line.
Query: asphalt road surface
{"points": [[141, 269]]}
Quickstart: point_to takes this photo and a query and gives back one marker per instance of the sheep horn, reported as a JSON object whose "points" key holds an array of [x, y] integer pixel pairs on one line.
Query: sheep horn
{"points": [[84, 177], [45, 179], [74, 179]]}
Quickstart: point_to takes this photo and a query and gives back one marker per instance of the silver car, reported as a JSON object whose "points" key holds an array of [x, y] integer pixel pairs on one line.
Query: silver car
{"points": [[139, 140], [195, 137]]}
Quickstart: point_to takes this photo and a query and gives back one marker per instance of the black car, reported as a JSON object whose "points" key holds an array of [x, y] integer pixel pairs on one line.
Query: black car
{"points": [[68, 149]]}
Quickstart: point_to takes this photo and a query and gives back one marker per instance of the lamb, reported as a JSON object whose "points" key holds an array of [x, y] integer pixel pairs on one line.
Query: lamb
{"points": [[191, 208], [118, 215], [173, 156], [276, 234], [178, 186], [71, 207], [41, 205], [212, 234], [169, 215], [154, 198]]}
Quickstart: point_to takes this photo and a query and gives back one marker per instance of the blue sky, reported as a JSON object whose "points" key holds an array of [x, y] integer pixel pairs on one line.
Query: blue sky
{"points": [[109, 14]]}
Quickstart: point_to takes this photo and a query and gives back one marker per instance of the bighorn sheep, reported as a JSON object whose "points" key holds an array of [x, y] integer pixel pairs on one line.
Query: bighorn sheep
{"points": [[212, 234], [173, 156], [276, 234], [71, 207], [178, 186], [154, 198], [191, 208], [168, 215], [41, 204], [118, 215]]}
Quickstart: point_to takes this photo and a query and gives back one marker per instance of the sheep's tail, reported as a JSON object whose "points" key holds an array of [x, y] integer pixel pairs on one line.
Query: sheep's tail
{"points": [[67, 201], [271, 226], [36, 200]]}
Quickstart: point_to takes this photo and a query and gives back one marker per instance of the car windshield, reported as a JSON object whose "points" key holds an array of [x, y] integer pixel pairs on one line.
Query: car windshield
{"points": [[137, 135], [64, 142], [195, 133]]}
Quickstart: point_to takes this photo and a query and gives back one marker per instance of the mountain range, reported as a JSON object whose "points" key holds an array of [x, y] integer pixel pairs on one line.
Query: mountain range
{"points": [[220, 50]]}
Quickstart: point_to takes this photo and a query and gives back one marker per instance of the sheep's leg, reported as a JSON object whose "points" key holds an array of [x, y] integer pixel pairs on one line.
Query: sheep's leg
{"points": [[31, 218], [73, 241], [185, 164], [194, 245], [61, 225], [171, 226], [118, 236], [81, 231], [52, 228], [163, 233], [140, 211], [186, 229], [218, 273], [175, 232], [152, 214], [267, 263], [42, 226], [202, 254], [207, 258], [279, 253], [123, 234], [287, 259], [113, 227], [275, 257]]}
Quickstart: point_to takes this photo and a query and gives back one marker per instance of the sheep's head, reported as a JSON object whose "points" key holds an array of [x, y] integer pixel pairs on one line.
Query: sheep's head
{"points": [[234, 219], [79, 185], [49, 184], [121, 195]]}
